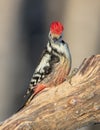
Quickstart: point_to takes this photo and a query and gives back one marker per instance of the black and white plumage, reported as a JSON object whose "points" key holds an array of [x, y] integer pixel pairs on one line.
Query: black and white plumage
{"points": [[56, 60]]}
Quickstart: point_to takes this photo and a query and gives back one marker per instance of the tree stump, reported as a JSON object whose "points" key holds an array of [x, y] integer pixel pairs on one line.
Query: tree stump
{"points": [[65, 107]]}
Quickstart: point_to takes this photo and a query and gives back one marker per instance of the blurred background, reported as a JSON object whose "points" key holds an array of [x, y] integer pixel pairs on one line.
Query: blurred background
{"points": [[24, 27]]}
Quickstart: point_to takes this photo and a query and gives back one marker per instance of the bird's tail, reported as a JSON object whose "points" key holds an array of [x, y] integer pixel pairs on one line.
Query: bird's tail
{"points": [[29, 98]]}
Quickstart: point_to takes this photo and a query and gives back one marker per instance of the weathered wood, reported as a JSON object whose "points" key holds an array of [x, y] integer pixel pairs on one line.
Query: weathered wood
{"points": [[65, 107]]}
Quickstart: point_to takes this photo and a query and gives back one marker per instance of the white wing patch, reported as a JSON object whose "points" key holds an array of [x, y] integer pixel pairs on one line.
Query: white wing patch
{"points": [[44, 62]]}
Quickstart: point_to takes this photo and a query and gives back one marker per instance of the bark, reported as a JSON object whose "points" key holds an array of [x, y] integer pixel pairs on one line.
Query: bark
{"points": [[69, 106]]}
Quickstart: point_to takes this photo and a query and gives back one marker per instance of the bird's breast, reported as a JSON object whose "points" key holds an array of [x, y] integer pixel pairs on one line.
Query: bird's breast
{"points": [[59, 72]]}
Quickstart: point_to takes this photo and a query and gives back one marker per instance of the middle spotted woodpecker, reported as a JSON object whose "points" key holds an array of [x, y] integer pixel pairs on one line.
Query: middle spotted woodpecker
{"points": [[54, 65]]}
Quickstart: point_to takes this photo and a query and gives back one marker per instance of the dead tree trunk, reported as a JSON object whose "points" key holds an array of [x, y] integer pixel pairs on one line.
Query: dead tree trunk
{"points": [[65, 107]]}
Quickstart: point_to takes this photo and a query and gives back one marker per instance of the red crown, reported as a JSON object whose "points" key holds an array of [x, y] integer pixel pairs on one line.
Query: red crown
{"points": [[56, 27]]}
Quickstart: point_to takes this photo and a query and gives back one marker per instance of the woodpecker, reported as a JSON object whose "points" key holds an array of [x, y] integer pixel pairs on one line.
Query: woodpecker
{"points": [[55, 63]]}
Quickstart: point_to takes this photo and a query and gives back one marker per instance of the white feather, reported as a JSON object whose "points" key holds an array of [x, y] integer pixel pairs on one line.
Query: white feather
{"points": [[44, 62], [62, 48], [49, 47]]}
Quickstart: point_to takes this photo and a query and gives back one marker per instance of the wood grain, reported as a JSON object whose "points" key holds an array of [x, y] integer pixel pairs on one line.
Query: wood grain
{"points": [[65, 107]]}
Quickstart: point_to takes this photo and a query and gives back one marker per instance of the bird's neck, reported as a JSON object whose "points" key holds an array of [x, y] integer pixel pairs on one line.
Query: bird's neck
{"points": [[60, 48], [54, 47]]}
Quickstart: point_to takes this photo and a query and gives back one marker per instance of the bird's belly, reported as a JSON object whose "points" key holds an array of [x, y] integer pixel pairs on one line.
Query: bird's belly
{"points": [[58, 74]]}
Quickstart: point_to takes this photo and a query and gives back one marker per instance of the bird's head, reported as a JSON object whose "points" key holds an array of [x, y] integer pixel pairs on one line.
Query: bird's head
{"points": [[56, 29]]}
